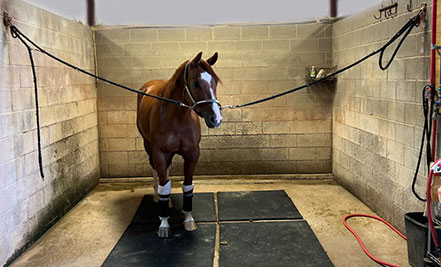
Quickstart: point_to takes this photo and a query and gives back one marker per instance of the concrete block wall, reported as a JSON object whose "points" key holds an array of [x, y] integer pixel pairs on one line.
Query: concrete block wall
{"points": [[29, 205], [288, 135], [377, 115]]}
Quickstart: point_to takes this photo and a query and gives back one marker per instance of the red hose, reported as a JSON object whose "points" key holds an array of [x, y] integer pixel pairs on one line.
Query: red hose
{"points": [[433, 137], [361, 242], [429, 180]]}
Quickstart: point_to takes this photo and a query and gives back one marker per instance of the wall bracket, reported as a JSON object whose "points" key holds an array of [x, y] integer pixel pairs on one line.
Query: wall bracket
{"points": [[389, 11]]}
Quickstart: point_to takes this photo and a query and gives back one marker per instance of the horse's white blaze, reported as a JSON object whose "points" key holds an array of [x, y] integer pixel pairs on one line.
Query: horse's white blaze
{"points": [[216, 110]]}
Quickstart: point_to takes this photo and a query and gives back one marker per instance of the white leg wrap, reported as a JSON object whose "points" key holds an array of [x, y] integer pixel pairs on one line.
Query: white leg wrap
{"points": [[166, 189], [187, 188]]}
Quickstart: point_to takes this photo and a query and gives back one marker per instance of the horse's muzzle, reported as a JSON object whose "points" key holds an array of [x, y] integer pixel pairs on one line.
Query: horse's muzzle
{"points": [[213, 121]]}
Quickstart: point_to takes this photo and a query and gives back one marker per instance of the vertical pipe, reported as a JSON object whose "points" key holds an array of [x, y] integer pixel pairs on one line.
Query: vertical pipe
{"points": [[91, 12], [432, 72], [333, 8]]}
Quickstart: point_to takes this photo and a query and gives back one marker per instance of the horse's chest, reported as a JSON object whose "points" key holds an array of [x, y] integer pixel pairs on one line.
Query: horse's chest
{"points": [[179, 140]]}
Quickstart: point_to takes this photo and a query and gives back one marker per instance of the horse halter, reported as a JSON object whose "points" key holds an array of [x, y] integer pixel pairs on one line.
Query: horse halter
{"points": [[195, 103]]}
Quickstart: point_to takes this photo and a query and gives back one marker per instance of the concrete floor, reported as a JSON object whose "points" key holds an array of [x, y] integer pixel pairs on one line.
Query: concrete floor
{"points": [[87, 234]]}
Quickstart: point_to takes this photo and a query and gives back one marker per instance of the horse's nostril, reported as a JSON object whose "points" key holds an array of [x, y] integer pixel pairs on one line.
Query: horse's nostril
{"points": [[213, 119]]}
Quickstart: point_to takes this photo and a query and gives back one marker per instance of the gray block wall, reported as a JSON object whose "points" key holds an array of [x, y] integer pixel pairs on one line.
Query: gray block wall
{"points": [[29, 205], [378, 115], [288, 135]]}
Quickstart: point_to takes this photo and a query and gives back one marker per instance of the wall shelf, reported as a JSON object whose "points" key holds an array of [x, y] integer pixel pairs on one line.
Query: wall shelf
{"points": [[327, 69]]}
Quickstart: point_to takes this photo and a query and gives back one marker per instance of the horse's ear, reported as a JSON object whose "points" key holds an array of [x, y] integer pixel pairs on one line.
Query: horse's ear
{"points": [[212, 59], [197, 58]]}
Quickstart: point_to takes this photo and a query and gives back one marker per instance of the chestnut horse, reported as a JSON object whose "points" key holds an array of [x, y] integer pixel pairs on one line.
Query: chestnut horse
{"points": [[169, 129]]}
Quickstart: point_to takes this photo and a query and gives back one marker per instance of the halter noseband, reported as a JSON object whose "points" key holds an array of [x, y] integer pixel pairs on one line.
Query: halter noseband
{"points": [[205, 101]]}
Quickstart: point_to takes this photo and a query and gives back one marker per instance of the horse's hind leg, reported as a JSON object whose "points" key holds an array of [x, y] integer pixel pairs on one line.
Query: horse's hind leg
{"points": [[190, 162]]}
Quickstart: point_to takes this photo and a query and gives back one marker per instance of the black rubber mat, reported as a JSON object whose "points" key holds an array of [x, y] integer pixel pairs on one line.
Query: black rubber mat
{"points": [[270, 244], [274, 243], [141, 246], [203, 210], [256, 205]]}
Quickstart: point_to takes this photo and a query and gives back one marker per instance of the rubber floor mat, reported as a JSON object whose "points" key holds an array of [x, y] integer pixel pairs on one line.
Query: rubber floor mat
{"points": [[256, 205], [270, 244], [203, 209], [141, 246]]}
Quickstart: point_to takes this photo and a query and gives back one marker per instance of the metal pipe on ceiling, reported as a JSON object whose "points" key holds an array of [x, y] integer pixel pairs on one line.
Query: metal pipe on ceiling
{"points": [[91, 12]]}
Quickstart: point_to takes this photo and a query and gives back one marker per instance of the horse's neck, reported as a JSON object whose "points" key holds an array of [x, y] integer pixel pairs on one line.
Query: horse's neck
{"points": [[174, 89]]}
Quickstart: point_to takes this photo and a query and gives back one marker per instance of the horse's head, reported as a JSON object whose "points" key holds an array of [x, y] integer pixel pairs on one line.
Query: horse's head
{"points": [[201, 82]]}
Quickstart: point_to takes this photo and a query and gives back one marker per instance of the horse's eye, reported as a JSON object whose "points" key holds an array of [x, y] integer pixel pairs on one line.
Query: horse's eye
{"points": [[197, 84]]}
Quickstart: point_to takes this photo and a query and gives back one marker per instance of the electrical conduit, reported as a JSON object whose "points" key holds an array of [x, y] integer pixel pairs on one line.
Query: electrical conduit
{"points": [[432, 71]]}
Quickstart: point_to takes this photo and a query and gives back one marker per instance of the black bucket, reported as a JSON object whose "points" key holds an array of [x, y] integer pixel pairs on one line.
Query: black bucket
{"points": [[416, 232]]}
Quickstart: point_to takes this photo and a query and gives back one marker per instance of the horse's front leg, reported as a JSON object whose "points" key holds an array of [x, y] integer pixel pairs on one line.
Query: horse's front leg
{"points": [[156, 184], [164, 190], [190, 162]]}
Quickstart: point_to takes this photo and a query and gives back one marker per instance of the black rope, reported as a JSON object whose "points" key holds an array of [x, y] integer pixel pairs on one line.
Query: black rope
{"points": [[16, 33], [428, 95], [428, 130], [37, 110], [407, 28]]}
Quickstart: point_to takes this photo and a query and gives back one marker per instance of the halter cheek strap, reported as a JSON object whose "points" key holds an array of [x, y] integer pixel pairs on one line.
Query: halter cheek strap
{"points": [[205, 101]]}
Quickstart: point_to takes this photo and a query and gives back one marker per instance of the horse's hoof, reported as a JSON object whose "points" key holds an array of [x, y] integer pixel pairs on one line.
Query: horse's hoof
{"points": [[170, 203], [164, 232], [190, 226]]}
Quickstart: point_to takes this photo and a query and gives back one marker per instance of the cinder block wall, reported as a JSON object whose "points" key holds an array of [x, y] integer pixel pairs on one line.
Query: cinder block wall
{"points": [[377, 115], [288, 135], [28, 205]]}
